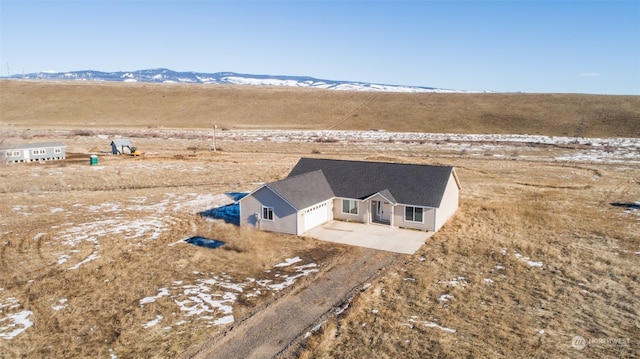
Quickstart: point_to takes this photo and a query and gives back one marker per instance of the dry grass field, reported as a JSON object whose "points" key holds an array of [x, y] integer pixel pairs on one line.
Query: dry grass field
{"points": [[545, 246], [110, 105]]}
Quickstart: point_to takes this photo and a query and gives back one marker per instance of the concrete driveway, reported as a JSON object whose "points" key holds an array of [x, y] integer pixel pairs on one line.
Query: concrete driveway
{"points": [[376, 236]]}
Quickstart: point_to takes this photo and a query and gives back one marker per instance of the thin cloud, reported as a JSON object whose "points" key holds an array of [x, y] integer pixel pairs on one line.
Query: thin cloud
{"points": [[590, 74]]}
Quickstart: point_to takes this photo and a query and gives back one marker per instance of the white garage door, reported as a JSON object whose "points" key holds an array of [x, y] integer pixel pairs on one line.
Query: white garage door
{"points": [[314, 216]]}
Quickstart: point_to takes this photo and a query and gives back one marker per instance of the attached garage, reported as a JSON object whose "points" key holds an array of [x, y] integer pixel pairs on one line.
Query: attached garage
{"points": [[307, 195], [316, 215]]}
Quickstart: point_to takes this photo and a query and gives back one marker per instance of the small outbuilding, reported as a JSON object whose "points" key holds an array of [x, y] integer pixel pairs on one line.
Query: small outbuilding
{"points": [[119, 146], [316, 191], [30, 152]]}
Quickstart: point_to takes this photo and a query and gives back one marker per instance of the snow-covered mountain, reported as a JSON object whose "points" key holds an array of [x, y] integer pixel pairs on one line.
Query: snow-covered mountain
{"points": [[169, 76]]}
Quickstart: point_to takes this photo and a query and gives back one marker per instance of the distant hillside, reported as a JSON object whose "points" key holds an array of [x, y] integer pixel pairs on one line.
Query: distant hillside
{"points": [[169, 76], [80, 104]]}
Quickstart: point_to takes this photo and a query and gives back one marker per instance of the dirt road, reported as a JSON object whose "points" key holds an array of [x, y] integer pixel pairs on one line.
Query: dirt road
{"points": [[281, 324]]}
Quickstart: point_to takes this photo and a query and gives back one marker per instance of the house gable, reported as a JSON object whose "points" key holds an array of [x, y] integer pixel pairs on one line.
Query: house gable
{"points": [[284, 214], [304, 190]]}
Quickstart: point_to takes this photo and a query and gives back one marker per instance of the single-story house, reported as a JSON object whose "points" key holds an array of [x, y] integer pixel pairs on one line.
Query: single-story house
{"points": [[29, 152], [118, 146], [412, 196]]}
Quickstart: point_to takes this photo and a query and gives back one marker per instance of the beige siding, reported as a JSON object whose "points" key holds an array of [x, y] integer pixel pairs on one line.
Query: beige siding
{"points": [[362, 216], [449, 203], [284, 215], [429, 217]]}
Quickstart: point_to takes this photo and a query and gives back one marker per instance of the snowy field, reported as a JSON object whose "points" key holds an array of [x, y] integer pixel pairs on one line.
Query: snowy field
{"points": [[566, 149], [210, 298]]}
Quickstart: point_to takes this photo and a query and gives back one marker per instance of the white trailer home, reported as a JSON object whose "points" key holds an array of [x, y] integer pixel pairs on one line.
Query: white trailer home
{"points": [[30, 152]]}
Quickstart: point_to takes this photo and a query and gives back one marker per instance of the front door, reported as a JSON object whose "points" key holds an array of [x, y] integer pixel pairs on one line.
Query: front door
{"points": [[383, 211]]}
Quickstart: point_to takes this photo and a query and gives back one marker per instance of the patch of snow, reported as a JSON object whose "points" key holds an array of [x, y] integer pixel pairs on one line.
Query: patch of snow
{"points": [[488, 280], [63, 258], [430, 325], [212, 299], [39, 235], [153, 322], [541, 331], [313, 330], [177, 242], [601, 150], [163, 292], [499, 267], [527, 260], [288, 261], [62, 305], [198, 300], [92, 256], [454, 282], [224, 320], [303, 271], [225, 285], [503, 251], [201, 203], [56, 210], [10, 302], [340, 310], [446, 297], [14, 324]]}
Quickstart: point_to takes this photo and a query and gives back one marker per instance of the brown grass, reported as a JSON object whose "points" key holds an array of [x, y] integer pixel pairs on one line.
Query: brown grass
{"points": [[84, 106], [587, 286], [559, 214]]}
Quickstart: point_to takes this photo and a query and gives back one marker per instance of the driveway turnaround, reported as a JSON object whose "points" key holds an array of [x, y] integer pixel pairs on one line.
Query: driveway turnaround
{"points": [[375, 236]]}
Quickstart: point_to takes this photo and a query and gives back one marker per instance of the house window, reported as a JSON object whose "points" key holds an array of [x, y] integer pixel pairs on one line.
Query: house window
{"points": [[413, 214], [349, 206], [38, 152], [267, 213], [57, 150]]}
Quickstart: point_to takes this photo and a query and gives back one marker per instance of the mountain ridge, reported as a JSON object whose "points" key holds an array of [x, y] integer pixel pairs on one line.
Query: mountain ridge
{"points": [[164, 75]]}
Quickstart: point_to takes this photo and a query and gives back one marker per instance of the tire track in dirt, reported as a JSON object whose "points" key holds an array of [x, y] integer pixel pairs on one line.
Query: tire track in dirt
{"points": [[279, 326]]}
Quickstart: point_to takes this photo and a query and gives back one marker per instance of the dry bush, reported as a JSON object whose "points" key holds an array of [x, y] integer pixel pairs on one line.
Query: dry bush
{"points": [[81, 132]]}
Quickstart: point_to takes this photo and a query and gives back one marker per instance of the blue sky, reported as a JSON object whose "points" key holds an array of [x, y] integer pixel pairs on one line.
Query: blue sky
{"points": [[506, 46]]}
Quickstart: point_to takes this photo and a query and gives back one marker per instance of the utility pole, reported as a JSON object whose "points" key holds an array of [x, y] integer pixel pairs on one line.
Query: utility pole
{"points": [[214, 137]]}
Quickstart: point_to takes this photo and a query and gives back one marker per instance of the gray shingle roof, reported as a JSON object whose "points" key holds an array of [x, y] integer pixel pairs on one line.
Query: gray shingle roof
{"points": [[32, 145], [303, 190], [121, 142], [420, 185]]}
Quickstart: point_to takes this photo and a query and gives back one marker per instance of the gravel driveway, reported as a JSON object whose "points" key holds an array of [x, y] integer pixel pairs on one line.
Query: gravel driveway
{"points": [[281, 324]]}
